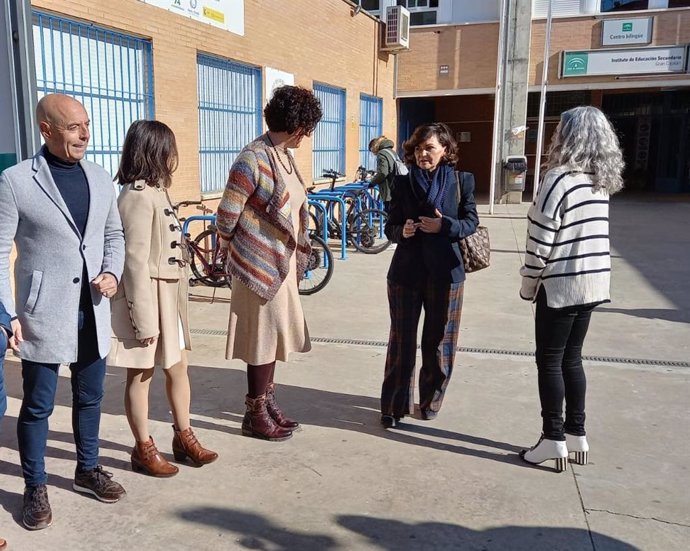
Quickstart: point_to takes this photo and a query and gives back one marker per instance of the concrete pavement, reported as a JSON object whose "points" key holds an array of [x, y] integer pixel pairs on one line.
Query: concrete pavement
{"points": [[343, 483]]}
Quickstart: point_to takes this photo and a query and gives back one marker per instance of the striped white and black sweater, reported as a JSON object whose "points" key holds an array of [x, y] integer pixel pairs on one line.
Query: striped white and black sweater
{"points": [[568, 242]]}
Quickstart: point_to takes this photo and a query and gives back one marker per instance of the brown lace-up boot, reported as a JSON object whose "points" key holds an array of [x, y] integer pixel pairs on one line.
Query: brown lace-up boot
{"points": [[146, 459], [259, 424], [185, 445], [275, 412]]}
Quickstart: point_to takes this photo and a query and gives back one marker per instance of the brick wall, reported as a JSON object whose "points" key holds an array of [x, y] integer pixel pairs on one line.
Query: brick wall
{"points": [[321, 43], [470, 51], [584, 33]]}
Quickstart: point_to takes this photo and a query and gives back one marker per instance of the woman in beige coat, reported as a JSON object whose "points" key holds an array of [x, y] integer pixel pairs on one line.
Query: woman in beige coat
{"points": [[149, 311]]}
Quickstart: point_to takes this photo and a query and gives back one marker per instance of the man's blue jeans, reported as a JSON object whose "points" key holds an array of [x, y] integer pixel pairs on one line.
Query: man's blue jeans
{"points": [[3, 392], [40, 384]]}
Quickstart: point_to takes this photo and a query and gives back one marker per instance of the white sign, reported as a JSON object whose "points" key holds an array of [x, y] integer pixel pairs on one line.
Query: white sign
{"points": [[275, 79], [224, 14], [615, 32], [640, 61]]}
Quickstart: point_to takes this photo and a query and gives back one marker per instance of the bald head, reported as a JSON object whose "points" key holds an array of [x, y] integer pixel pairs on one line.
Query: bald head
{"points": [[56, 108], [64, 125]]}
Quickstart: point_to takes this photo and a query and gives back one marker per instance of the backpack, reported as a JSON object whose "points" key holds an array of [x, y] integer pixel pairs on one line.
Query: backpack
{"points": [[399, 168]]}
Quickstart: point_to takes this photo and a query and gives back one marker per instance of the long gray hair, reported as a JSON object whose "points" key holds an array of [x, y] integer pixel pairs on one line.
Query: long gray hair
{"points": [[585, 140]]}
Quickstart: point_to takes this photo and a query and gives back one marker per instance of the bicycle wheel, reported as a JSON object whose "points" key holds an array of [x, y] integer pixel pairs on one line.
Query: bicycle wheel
{"points": [[365, 231], [319, 268], [208, 261], [315, 219]]}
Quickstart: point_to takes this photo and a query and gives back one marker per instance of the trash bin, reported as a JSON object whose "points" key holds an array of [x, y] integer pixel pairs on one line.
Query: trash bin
{"points": [[515, 170]]}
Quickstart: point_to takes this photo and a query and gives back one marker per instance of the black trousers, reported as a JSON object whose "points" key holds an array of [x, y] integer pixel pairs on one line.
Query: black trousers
{"points": [[560, 333]]}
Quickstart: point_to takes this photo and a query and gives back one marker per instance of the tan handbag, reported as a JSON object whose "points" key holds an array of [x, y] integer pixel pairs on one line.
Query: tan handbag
{"points": [[475, 248]]}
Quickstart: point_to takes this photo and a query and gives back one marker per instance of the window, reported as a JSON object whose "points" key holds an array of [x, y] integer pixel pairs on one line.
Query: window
{"points": [[418, 3], [329, 136], [423, 18], [679, 3], [420, 12], [371, 5], [110, 73], [370, 127], [540, 8], [624, 5], [229, 115]]}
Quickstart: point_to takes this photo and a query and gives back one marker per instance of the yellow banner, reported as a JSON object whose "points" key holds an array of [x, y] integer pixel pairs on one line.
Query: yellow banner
{"points": [[214, 14]]}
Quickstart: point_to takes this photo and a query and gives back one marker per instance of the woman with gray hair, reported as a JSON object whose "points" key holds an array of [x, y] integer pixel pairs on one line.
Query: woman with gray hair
{"points": [[567, 272]]}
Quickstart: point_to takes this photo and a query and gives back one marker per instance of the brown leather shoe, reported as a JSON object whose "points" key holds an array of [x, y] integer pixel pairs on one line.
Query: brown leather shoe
{"points": [[146, 459], [275, 412], [185, 445], [258, 423]]}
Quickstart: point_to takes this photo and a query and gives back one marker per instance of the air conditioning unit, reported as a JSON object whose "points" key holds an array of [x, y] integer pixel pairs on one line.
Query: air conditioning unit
{"points": [[397, 32]]}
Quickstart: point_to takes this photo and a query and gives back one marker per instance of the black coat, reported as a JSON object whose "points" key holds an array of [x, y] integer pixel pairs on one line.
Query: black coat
{"points": [[426, 255]]}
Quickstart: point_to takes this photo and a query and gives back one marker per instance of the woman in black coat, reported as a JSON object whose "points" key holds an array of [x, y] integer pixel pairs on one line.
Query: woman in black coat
{"points": [[430, 212]]}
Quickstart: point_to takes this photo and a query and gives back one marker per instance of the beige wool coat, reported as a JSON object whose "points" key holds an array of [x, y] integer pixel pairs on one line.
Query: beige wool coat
{"points": [[151, 300]]}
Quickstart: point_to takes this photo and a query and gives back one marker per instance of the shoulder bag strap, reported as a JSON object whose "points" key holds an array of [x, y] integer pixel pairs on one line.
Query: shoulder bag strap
{"points": [[459, 177]]}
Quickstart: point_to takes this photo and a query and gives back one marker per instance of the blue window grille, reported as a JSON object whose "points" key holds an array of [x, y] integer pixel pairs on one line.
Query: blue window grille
{"points": [[329, 136], [110, 73], [370, 127], [229, 115]]}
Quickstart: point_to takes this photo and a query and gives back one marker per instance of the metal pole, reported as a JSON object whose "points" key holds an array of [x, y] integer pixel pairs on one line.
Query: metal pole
{"points": [[498, 104], [542, 103], [8, 93]]}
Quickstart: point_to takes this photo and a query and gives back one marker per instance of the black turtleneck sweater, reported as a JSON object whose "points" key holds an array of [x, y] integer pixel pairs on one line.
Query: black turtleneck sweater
{"points": [[73, 186]]}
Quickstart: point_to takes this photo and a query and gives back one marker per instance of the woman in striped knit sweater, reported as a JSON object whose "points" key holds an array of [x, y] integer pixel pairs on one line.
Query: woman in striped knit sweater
{"points": [[262, 222], [567, 272]]}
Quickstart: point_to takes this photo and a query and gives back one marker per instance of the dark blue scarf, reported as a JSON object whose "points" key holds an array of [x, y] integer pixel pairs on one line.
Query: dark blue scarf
{"points": [[434, 186]]}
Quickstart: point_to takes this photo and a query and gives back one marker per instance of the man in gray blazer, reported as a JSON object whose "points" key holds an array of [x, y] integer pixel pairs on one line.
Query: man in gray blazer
{"points": [[61, 212]]}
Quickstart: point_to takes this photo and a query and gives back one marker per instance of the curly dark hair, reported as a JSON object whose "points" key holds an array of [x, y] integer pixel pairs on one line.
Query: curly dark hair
{"points": [[149, 153], [292, 108], [426, 131]]}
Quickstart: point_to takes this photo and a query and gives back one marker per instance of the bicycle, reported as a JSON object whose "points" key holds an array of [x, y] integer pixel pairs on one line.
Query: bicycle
{"points": [[364, 225], [319, 268], [208, 261]]}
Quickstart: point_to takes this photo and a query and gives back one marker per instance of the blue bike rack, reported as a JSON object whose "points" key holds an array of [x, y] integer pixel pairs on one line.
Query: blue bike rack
{"points": [[199, 218], [333, 198]]}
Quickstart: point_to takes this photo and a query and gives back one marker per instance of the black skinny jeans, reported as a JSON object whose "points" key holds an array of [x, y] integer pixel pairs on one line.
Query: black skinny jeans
{"points": [[560, 333]]}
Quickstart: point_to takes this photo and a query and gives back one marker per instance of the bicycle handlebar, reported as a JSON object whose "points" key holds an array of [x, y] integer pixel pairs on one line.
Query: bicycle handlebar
{"points": [[181, 204], [332, 174]]}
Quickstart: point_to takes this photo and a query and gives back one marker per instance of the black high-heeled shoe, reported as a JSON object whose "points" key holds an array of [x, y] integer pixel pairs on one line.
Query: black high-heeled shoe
{"points": [[389, 421]]}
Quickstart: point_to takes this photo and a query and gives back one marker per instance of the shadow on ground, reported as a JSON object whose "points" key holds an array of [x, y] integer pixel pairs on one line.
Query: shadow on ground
{"points": [[677, 316], [222, 407], [394, 535], [256, 532], [650, 234]]}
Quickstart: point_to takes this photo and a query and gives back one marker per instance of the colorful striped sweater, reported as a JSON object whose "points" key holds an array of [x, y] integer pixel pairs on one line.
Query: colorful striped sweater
{"points": [[567, 247], [254, 221]]}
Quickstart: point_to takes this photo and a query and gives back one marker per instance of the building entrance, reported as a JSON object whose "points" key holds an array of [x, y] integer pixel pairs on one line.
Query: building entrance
{"points": [[654, 129]]}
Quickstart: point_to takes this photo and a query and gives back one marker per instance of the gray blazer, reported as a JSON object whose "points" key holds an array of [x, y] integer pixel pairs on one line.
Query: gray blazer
{"points": [[51, 255]]}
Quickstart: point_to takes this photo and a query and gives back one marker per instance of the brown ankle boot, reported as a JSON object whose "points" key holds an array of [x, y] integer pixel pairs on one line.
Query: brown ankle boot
{"points": [[275, 412], [259, 424], [185, 445], [146, 459]]}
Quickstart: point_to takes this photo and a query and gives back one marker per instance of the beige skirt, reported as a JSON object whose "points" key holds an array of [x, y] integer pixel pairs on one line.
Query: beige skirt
{"points": [[261, 331], [127, 351]]}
